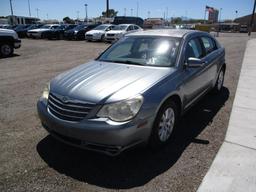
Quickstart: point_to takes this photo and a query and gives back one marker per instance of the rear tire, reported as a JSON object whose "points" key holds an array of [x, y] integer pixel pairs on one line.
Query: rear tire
{"points": [[6, 50], [164, 125]]}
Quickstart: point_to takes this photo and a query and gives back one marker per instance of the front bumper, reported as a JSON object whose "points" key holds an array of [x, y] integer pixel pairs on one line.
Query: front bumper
{"points": [[92, 37], [34, 35], [17, 43], [96, 134]]}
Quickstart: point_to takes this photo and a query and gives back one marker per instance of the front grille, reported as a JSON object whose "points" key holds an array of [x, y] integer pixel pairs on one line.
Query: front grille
{"points": [[71, 110], [110, 35], [89, 35]]}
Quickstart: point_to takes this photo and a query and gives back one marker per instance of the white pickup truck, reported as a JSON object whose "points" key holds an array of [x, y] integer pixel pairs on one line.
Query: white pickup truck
{"points": [[8, 42]]}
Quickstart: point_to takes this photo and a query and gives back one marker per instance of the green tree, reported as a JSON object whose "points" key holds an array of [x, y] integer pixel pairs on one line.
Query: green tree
{"points": [[68, 20], [177, 20], [111, 13]]}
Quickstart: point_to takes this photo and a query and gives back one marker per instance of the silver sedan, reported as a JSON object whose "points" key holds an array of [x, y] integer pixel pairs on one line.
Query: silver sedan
{"points": [[134, 92]]}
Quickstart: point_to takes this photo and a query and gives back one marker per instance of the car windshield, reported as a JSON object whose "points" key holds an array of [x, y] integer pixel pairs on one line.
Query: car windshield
{"points": [[18, 27], [61, 27], [120, 27], [79, 27], [101, 27], [143, 50]]}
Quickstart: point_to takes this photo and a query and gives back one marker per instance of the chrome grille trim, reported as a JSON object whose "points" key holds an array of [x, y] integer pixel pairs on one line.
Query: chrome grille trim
{"points": [[71, 110]]}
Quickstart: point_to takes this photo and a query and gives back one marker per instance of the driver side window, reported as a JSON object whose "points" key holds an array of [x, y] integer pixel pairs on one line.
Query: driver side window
{"points": [[193, 49]]}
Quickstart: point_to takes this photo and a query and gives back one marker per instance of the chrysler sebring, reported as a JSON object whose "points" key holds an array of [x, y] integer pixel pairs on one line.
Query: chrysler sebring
{"points": [[134, 92]]}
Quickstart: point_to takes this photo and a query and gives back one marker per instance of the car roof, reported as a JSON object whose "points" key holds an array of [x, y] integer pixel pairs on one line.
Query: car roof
{"points": [[164, 32]]}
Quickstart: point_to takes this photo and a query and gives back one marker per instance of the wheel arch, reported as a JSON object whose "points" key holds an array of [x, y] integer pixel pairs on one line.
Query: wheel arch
{"points": [[174, 97]]}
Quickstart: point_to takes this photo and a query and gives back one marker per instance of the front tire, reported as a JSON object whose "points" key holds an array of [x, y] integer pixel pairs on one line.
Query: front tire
{"points": [[220, 81], [164, 125], [6, 50]]}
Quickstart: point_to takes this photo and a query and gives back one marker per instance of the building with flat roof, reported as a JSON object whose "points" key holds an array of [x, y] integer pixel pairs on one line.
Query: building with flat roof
{"points": [[16, 20], [245, 20]]}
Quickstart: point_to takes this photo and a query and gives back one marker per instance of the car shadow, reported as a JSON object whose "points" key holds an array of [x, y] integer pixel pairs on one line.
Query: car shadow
{"points": [[13, 55], [135, 167]]}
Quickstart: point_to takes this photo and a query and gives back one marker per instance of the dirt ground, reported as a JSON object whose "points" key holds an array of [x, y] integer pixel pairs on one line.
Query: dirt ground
{"points": [[33, 161]]}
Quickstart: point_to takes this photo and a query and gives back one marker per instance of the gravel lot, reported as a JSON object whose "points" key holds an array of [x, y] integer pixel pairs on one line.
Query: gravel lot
{"points": [[33, 161]]}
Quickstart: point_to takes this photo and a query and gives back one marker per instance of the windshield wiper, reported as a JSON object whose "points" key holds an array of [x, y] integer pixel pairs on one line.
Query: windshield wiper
{"points": [[126, 62]]}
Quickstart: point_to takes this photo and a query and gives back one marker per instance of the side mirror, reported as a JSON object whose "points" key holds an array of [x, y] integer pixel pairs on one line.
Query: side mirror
{"points": [[194, 62]]}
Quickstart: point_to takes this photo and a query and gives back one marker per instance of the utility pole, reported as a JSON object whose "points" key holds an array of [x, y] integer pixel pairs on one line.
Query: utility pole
{"points": [[86, 15], [131, 12], [252, 19], [29, 8], [11, 12], [37, 10], [107, 11]]}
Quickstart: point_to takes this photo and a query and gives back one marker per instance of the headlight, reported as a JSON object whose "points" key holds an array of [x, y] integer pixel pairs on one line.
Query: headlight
{"points": [[46, 91], [123, 110], [75, 32]]}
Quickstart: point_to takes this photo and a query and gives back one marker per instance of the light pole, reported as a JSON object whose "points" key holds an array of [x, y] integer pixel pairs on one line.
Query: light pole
{"points": [[131, 12], [137, 11], [107, 11], [29, 8], [86, 15], [236, 13], [124, 11], [219, 23], [252, 19], [11, 12], [37, 10], [148, 14], [77, 14]]}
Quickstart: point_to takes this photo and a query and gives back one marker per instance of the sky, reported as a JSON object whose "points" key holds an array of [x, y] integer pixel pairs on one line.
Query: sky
{"points": [[58, 9]]}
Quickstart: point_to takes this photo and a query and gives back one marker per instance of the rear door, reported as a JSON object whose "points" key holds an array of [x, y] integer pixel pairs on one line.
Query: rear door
{"points": [[212, 59]]}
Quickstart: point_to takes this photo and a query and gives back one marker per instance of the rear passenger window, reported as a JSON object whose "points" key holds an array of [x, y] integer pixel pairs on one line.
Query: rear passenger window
{"points": [[209, 44], [130, 28], [136, 27], [194, 49]]}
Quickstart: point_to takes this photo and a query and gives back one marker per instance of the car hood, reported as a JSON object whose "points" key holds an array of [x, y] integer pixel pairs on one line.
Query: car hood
{"points": [[103, 82], [95, 31], [39, 30]]}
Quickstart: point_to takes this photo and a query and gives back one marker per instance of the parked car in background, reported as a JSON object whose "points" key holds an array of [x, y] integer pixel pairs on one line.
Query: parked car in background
{"points": [[134, 92], [9, 41], [5, 26], [128, 20], [98, 33], [39, 33], [243, 29], [58, 33], [78, 32], [22, 31], [19, 28], [119, 31]]}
